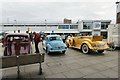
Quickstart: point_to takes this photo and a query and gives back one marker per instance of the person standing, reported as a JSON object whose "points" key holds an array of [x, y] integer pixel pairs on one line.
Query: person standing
{"points": [[63, 37], [18, 31], [27, 32], [36, 41], [31, 37]]}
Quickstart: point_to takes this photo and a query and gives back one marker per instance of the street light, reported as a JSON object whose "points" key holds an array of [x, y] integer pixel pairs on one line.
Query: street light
{"points": [[117, 2], [8, 20], [117, 10], [16, 25], [45, 24]]}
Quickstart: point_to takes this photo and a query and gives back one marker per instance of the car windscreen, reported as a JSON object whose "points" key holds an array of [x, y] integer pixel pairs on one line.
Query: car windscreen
{"points": [[55, 38], [17, 38]]}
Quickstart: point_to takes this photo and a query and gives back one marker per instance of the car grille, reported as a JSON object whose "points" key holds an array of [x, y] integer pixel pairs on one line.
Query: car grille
{"points": [[100, 45], [59, 47]]}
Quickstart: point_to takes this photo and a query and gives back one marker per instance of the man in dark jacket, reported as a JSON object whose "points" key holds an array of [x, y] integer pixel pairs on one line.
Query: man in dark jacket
{"points": [[31, 37], [36, 40]]}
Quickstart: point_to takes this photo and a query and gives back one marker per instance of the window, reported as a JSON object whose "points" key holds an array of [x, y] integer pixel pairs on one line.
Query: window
{"points": [[87, 25], [55, 38], [52, 25], [73, 26], [63, 27], [30, 25], [104, 34], [8, 25], [40, 25], [118, 15], [19, 25], [104, 25], [60, 27]]}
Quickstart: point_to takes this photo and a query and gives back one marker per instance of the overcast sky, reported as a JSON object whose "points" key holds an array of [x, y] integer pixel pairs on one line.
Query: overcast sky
{"points": [[34, 11]]}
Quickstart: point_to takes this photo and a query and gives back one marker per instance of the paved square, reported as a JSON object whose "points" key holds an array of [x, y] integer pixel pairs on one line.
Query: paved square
{"points": [[72, 64]]}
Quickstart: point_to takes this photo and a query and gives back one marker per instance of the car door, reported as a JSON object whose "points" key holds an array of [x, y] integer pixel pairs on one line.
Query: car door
{"points": [[46, 42], [78, 41]]}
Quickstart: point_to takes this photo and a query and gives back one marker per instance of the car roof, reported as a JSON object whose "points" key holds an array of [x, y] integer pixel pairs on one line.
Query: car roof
{"points": [[52, 35], [17, 34]]}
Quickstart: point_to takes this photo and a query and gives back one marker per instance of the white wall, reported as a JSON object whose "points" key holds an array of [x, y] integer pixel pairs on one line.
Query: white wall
{"points": [[45, 29], [114, 34], [118, 8]]}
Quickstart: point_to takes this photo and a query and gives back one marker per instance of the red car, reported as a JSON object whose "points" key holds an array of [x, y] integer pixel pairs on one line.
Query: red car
{"points": [[17, 44]]}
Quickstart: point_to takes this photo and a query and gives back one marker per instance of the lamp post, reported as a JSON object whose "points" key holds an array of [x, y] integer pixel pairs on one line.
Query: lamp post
{"points": [[8, 20], [45, 24], [16, 25], [117, 10]]}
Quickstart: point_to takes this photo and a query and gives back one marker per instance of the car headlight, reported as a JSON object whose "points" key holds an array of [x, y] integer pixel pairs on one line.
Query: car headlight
{"points": [[65, 47], [93, 45]]}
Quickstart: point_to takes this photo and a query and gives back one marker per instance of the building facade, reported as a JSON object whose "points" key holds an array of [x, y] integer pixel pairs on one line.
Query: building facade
{"points": [[118, 13], [84, 27], [46, 28], [94, 27]]}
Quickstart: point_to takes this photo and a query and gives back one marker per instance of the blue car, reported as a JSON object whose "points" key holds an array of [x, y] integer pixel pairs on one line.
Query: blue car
{"points": [[54, 43]]}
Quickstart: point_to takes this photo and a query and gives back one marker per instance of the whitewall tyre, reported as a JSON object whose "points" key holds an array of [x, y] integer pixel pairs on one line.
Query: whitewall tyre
{"points": [[85, 49]]}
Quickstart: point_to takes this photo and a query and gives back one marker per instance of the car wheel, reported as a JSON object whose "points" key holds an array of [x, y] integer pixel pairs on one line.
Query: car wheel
{"points": [[85, 49], [63, 52], [100, 51]]}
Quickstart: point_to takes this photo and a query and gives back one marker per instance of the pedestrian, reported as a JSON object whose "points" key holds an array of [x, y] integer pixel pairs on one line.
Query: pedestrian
{"points": [[27, 32], [69, 36], [36, 41], [14, 31], [31, 37], [9, 45], [63, 37], [18, 31]]}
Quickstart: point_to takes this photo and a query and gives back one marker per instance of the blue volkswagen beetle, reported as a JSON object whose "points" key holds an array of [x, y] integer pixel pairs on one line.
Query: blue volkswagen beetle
{"points": [[54, 43]]}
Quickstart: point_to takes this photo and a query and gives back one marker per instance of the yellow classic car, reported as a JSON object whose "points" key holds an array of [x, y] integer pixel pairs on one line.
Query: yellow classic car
{"points": [[87, 43]]}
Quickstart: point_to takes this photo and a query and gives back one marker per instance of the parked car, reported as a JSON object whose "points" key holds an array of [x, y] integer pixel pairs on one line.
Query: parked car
{"points": [[87, 43], [17, 44], [2, 36], [54, 43]]}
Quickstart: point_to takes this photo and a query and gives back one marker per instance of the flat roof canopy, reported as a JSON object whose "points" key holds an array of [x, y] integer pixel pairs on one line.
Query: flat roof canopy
{"points": [[62, 32]]}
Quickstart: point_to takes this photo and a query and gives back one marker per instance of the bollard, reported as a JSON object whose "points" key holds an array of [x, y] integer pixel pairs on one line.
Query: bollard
{"points": [[18, 72], [40, 68]]}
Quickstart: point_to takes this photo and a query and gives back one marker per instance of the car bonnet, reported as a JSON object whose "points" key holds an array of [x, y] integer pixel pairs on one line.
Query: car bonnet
{"points": [[56, 43]]}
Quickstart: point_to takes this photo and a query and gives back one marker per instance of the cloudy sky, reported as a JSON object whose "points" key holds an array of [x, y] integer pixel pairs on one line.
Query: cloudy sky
{"points": [[54, 11]]}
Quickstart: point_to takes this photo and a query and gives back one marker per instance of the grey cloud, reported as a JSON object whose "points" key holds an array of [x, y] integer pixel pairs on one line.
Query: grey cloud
{"points": [[56, 11]]}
